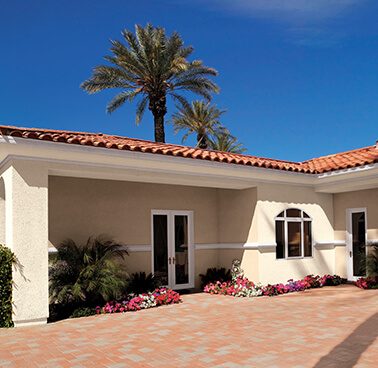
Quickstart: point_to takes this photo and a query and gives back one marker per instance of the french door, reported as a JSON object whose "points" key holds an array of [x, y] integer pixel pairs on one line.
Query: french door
{"points": [[356, 242], [172, 248]]}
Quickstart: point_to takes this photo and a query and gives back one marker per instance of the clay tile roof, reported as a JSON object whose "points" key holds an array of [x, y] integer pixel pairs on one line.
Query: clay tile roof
{"points": [[338, 161]]}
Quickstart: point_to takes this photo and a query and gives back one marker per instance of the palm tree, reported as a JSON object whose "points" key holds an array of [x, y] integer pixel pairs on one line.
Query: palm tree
{"points": [[151, 66], [224, 141], [198, 118], [87, 273]]}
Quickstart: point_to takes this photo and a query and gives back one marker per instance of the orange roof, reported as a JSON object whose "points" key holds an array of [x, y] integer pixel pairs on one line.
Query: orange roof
{"points": [[344, 160]]}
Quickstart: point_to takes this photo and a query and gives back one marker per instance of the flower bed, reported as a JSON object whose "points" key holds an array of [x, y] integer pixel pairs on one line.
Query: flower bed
{"points": [[161, 296], [242, 287], [367, 282]]}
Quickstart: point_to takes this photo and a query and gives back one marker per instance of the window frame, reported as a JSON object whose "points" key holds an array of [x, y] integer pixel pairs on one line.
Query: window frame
{"points": [[302, 219]]}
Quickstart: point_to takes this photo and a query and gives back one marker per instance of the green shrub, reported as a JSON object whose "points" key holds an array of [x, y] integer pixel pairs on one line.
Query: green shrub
{"points": [[86, 275], [7, 258], [213, 275], [140, 283], [83, 312], [372, 261]]}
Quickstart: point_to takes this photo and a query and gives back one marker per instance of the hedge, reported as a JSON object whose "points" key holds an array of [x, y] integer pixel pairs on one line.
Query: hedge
{"points": [[7, 259]]}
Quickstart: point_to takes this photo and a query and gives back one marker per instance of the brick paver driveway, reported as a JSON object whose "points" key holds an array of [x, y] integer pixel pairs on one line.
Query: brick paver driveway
{"points": [[329, 327]]}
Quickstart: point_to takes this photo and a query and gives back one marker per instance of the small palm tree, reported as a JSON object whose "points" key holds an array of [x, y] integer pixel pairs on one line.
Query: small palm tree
{"points": [[198, 118], [224, 141], [151, 66], [87, 273]]}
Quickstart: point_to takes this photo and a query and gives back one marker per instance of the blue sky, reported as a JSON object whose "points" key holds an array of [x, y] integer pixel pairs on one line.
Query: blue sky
{"points": [[298, 78]]}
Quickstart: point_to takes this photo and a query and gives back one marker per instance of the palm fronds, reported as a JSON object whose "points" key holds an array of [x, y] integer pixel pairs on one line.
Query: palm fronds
{"points": [[198, 118], [149, 66], [87, 273], [224, 141]]}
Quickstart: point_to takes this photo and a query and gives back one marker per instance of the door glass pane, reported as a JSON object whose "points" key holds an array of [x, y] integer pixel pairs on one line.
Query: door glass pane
{"points": [[359, 246], [161, 248], [181, 250], [280, 239], [307, 238], [294, 239]]}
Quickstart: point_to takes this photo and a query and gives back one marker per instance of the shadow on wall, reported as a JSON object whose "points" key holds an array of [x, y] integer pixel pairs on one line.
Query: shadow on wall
{"points": [[347, 353]]}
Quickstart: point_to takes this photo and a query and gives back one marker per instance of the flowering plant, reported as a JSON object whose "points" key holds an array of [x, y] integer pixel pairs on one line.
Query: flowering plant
{"points": [[367, 282], [242, 287], [161, 296]]}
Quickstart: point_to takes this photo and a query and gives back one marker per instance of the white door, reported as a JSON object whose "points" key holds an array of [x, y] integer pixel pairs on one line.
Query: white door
{"points": [[356, 242], [173, 248]]}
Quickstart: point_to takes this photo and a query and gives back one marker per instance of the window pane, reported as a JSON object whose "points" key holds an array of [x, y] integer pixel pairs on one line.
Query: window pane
{"points": [[305, 215], [293, 213], [307, 239], [282, 214], [161, 248], [181, 250], [280, 239], [294, 239]]}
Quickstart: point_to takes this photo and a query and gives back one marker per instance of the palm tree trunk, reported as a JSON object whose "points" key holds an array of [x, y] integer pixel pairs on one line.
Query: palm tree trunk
{"points": [[202, 141], [159, 128], [158, 108]]}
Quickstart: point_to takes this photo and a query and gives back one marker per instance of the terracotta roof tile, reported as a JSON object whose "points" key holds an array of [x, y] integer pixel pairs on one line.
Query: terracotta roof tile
{"points": [[338, 161]]}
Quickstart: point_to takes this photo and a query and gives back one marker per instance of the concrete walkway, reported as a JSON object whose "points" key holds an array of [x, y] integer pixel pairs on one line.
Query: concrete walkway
{"points": [[329, 327]]}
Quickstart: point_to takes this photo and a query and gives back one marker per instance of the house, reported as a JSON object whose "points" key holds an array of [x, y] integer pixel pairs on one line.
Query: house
{"points": [[181, 210]]}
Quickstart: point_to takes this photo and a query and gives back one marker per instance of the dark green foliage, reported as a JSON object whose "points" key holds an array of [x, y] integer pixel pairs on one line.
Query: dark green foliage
{"points": [[214, 274], [83, 312], [199, 118], [334, 280], [140, 283], [372, 261], [224, 141], [86, 275], [203, 120], [7, 258], [149, 66]]}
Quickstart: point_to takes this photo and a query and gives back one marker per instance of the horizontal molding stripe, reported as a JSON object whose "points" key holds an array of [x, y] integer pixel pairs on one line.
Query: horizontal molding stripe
{"points": [[249, 245]]}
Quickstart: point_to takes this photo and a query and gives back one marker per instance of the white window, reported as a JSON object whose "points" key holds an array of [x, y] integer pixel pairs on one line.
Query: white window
{"points": [[293, 234]]}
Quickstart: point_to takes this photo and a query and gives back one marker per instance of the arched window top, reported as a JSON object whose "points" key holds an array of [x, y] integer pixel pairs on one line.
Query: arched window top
{"points": [[292, 213], [293, 234]]}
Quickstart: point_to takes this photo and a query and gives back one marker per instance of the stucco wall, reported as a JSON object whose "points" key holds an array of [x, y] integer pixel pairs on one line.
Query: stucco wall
{"points": [[237, 223], [359, 199], [79, 208], [273, 199]]}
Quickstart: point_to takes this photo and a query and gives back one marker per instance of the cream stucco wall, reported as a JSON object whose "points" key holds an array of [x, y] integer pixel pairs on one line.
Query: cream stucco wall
{"points": [[26, 233], [273, 199], [82, 207], [79, 208], [237, 223], [359, 199]]}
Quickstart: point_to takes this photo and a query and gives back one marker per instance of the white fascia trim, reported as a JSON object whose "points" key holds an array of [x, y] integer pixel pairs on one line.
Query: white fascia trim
{"points": [[232, 170], [358, 178], [357, 169]]}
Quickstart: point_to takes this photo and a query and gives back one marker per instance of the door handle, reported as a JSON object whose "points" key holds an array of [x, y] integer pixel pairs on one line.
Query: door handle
{"points": [[173, 260], [169, 260], [350, 254]]}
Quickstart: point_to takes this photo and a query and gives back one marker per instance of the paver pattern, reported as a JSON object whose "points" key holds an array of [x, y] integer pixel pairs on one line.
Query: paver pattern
{"points": [[329, 327]]}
